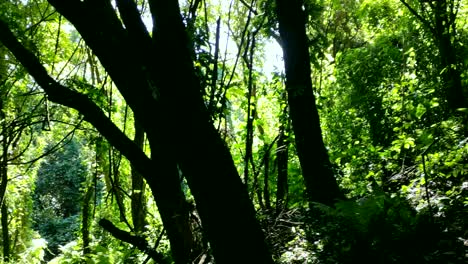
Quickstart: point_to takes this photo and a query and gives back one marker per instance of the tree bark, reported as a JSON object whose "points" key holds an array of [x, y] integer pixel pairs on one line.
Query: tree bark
{"points": [[320, 182]]}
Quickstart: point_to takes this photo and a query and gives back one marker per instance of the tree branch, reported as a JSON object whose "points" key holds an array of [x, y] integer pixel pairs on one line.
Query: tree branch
{"points": [[419, 17], [131, 17], [137, 241], [73, 99]]}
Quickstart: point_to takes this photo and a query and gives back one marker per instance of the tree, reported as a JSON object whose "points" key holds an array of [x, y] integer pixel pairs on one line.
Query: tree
{"points": [[141, 67], [439, 19], [20, 118], [318, 175], [57, 196]]}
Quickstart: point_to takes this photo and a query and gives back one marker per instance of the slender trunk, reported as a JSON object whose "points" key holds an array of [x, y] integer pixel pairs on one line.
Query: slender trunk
{"points": [[282, 165], [266, 178], [5, 234], [114, 177], [85, 220], [3, 158], [214, 74], [138, 186], [114, 172], [4, 166], [256, 189], [318, 176], [250, 116]]}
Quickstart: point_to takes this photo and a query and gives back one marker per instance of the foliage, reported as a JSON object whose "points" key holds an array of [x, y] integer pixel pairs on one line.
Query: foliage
{"points": [[399, 152], [378, 229], [57, 196]]}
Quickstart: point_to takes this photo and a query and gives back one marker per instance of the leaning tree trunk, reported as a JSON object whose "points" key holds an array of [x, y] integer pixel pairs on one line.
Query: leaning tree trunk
{"points": [[173, 115], [320, 183], [230, 225]]}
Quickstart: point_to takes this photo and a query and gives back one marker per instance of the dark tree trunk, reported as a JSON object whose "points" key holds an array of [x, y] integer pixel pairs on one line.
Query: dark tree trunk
{"points": [[320, 182], [4, 134], [266, 177], [202, 155], [282, 152], [5, 232], [138, 202], [256, 189]]}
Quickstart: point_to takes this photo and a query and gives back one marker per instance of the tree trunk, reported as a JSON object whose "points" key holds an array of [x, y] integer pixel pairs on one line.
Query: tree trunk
{"points": [[266, 178], [282, 152], [234, 234], [250, 116], [4, 162], [320, 183], [114, 177], [85, 220], [138, 186], [5, 232]]}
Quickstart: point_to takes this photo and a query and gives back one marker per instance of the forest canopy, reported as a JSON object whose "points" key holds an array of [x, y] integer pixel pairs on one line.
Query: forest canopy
{"points": [[241, 131]]}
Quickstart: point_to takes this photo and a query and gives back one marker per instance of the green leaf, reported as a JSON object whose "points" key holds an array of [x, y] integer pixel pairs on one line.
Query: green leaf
{"points": [[420, 111]]}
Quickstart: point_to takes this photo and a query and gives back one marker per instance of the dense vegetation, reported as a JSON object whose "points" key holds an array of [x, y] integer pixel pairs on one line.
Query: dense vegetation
{"points": [[286, 131]]}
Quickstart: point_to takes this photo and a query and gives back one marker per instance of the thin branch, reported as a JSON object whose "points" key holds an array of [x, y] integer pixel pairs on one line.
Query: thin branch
{"points": [[251, 9], [137, 241], [244, 33], [48, 152], [214, 76], [419, 17]]}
